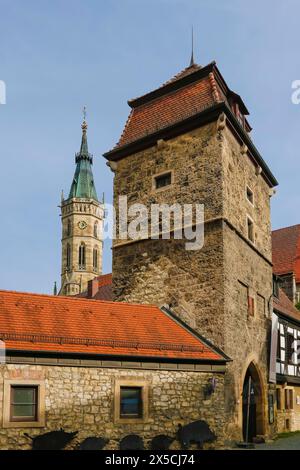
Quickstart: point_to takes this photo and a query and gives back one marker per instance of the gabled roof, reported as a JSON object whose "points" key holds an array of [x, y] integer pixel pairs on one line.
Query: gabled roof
{"points": [[283, 305], [286, 251], [194, 96], [54, 324]]}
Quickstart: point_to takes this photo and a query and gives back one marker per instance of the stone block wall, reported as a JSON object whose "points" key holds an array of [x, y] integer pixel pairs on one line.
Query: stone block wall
{"points": [[82, 399]]}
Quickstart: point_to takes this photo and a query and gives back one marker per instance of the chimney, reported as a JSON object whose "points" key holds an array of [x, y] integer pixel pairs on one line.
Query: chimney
{"points": [[93, 287]]}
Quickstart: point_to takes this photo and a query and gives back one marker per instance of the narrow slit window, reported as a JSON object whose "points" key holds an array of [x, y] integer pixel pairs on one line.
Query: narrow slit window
{"points": [[250, 229], [95, 258], [68, 263], [81, 256], [249, 194]]}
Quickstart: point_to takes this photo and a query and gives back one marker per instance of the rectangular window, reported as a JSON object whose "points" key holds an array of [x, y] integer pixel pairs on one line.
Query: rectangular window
{"points": [[278, 398], [163, 180], [249, 194], [289, 399], [250, 230], [278, 354], [290, 348], [251, 306], [131, 402], [23, 403]]}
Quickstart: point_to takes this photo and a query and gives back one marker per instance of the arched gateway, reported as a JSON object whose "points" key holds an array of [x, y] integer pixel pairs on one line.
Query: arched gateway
{"points": [[253, 414]]}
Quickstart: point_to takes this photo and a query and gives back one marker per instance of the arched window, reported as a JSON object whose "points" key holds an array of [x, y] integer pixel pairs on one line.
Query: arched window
{"points": [[69, 227], [96, 229], [81, 256], [95, 258], [68, 261]]}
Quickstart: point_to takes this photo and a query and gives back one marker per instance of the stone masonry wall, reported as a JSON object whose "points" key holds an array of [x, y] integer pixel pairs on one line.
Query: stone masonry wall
{"points": [[246, 273], [208, 288], [82, 399]]}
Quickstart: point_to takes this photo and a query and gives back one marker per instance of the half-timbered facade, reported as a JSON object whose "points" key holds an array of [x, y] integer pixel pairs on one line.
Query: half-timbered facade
{"points": [[287, 319]]}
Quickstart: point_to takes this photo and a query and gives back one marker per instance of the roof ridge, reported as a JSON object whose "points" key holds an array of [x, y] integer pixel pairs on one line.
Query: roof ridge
{"points": [[285, 228], [73, 297]]}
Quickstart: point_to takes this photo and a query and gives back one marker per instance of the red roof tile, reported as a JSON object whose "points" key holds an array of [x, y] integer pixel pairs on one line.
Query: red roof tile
{"points": [[34, 322], [103, 290], [104, 279], [286, 251], [167, 110], [285, 306]]}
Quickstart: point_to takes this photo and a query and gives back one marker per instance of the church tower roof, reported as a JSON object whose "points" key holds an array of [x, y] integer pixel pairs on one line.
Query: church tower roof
{"points": [[83, 182]]}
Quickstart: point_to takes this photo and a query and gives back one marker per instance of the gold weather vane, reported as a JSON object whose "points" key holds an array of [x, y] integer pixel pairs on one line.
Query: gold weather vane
{"points": [[84, 113]]}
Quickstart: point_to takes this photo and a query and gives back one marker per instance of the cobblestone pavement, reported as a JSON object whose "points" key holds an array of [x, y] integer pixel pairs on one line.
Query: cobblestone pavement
{"points": [[285, 443]]}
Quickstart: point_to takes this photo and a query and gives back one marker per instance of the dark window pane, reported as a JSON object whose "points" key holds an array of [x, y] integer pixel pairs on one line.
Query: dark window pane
{"points": [[131, 402], [23, 410], [24, 395], [163, 180], [290, 348], [23, 403]]}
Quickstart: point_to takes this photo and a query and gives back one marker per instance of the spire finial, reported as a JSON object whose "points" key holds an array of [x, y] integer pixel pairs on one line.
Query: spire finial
{"points": [[192, 54], [84, 124]]}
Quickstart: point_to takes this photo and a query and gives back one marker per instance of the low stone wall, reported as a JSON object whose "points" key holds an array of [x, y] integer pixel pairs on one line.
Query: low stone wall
{"points": [[82, 399]]}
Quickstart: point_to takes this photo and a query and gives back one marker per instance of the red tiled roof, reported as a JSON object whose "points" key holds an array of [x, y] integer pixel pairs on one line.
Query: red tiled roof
{"points": [[167, 110], [104, 293], [285, 306], [104, 289], [34, 322], [286, 251], [104, 280]]}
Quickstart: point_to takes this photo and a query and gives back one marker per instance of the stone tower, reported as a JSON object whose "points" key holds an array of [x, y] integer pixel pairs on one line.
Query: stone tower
{"points": [[189, 142], [82, 226]]}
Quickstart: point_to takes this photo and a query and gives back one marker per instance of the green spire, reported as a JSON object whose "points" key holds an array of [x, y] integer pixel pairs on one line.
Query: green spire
{"points": [[83, 181]]}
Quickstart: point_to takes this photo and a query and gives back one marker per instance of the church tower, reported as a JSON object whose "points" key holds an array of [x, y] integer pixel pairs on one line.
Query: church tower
{"points": [[82, 226], [188, 142]]}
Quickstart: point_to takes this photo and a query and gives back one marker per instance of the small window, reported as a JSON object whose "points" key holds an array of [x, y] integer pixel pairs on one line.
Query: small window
{"points": [[290, 348], [68, 261], [278, 353], [69, 228], [23, 404], [278, 398], [131, 403], [289, 403], [163, 180], [96, 229], [249, 194], [251, 306], [95, 258], [250, 230], [81, 256]]}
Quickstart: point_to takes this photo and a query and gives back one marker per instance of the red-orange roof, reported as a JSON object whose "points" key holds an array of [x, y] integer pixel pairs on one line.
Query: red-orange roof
{"points": [[286, 251], [104, 279], [103, 290], [170, 108], [284, 305], [35, 322]]}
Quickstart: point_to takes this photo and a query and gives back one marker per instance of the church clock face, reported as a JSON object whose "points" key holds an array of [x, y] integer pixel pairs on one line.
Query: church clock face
{"points": [[82, 224]]}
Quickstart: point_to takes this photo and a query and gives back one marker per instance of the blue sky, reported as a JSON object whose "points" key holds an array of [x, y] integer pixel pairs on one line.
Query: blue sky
{"points": [[56, 56]]}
